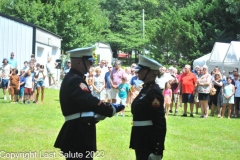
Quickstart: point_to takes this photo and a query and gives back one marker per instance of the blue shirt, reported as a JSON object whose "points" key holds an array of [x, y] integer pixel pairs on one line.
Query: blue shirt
{"points": [[136, 82], [22, 79], [12, 62], [107, 80], [133, 79], [123, 90], [66, 70]]}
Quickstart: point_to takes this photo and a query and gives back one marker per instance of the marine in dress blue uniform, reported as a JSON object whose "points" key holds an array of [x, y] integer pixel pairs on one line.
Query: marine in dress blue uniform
{"points": [[149, 123], [77, 137]]}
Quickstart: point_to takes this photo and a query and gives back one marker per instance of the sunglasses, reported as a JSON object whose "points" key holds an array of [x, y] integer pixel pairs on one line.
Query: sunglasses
{"points": [[109, 67]]}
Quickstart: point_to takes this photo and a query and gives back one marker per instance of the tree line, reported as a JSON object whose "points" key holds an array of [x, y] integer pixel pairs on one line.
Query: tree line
{"points": [[175, 31]]}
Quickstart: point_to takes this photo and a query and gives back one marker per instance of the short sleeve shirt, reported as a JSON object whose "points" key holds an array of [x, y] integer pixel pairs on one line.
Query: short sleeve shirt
{"points": [[12, 62], [116, 76], [188, 82], [6, 71]]}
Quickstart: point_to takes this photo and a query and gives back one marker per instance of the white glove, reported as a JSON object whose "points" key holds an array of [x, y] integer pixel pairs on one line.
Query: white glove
{"points": [[154, 157], [99, 117]]}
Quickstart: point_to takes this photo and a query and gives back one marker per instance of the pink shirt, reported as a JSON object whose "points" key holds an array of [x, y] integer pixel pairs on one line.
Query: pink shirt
{"points": [[167, 92], [116, 76]]}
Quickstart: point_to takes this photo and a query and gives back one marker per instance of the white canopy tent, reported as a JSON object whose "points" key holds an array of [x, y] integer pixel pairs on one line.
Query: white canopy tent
{"points": [[224, 55], [217, 56], [218, 53], [201, 61], [232, 57]]}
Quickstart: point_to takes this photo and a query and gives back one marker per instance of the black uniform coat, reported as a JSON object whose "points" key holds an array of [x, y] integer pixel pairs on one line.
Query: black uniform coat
{"points": [[78, 134], [148, 105]]}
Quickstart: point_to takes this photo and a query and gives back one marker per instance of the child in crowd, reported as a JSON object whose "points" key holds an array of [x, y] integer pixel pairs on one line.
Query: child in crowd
{"points": [[123, 89], [14, 85], [167, 93], [133, 94], [28, 88], [90, 84], [22, 84], [99, 85]]}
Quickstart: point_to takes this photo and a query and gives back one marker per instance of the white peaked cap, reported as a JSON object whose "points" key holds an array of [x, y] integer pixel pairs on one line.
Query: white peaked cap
{"points": [[81, 52], [148, 62]]}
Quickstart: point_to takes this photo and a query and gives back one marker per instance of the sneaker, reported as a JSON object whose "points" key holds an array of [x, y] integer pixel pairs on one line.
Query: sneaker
{"points": [[219, 116], [5, 98], [191, 115], [170, 111], [28, 102], [184, 115], [235, 116], [34, 101], [23, 101], [176, 112], [201, 117], [123, 115], [196, 112]]}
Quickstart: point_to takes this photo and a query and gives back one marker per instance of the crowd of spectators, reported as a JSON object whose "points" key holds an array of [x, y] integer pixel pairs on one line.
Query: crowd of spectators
{"points": [[22, 84], [118, 84]]}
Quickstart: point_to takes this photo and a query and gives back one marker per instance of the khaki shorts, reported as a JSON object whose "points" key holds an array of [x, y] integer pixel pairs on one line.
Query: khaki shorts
{"points": [[114, 93], [109, 94], [175, 98]]}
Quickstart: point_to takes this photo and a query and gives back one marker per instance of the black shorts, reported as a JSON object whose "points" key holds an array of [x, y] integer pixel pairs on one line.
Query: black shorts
{"points": [[187, 98], [203, 96]]}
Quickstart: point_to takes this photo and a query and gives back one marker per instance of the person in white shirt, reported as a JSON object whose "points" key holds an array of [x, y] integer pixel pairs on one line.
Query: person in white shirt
{"points": [[28, 87], [163, 78], [50, 66], [5, 72]]}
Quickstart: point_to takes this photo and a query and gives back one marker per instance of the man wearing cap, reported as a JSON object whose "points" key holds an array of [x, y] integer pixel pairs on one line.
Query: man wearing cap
{"points": [[67, 68], [81, 109], [149, 124], [13, 62], [5, 72]]}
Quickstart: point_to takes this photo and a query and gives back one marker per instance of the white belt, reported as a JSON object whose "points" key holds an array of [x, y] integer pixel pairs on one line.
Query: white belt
{"points": [[142, 123], [78, 115]]}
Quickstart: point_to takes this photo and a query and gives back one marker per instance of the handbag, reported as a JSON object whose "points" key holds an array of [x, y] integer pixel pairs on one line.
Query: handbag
{"points": [[212, 91]]}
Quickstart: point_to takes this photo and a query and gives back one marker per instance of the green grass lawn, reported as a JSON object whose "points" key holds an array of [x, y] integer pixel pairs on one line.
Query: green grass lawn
{"points": [[33, 128]]}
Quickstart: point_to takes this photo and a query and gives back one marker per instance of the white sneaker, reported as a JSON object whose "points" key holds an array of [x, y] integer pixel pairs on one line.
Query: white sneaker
{"points": [[5, 98], [10, 98]]}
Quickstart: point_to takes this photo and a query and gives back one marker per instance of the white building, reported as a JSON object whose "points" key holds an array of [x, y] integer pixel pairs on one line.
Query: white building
{"points": [[24, 39]]}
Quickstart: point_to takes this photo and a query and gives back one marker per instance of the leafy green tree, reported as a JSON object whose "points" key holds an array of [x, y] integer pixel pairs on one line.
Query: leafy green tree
{"points": [[78, 22]]}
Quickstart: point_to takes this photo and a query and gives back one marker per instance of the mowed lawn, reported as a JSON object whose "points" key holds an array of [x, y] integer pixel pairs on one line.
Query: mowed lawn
{"points": [[33, 128]]}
